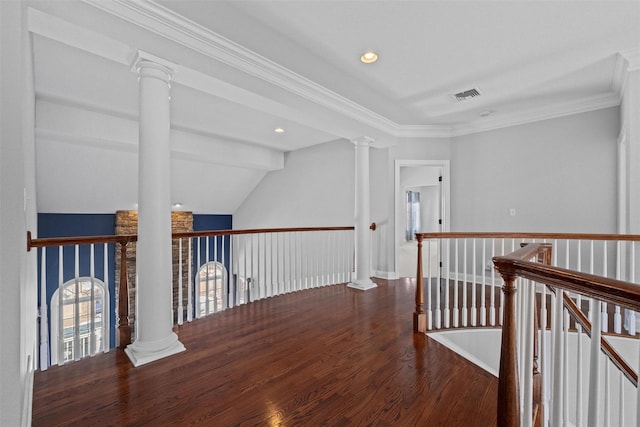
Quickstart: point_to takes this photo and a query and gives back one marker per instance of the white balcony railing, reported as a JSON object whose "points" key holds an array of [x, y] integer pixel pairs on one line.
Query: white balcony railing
{"points": [[212, 271]]}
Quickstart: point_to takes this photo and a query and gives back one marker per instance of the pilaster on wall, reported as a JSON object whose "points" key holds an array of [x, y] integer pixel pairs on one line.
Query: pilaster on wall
{"points": [[127, 223], [628, 84]]}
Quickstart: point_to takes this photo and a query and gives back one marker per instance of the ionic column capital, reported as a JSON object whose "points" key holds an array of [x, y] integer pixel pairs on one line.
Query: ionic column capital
{"points": [[148, 65], [363, 141]]}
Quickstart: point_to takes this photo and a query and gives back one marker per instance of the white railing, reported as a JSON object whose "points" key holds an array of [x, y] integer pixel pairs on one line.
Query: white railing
{"points": [[469, 288], [213, 271], [575, 386], [237, 267]]}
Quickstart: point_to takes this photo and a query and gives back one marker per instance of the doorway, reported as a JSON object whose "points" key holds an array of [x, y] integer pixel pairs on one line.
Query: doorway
{"points": [[421, 206]]}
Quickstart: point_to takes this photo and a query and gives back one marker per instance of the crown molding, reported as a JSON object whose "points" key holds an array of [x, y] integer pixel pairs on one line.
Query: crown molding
{"points": [[162, 21], [156, 18], [557, 110], [423, 131], [626, 62]]}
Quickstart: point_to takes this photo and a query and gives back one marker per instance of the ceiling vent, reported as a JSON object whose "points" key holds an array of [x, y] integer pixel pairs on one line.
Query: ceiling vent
{"points": [[467, 94]]}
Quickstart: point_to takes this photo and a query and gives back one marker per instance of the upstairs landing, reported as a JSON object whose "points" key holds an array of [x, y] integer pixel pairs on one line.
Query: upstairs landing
{"points": [[330, 356]]}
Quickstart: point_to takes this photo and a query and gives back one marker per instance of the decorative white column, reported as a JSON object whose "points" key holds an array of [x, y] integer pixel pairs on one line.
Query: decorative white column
{"points": [[362, 232], [155, 338]]}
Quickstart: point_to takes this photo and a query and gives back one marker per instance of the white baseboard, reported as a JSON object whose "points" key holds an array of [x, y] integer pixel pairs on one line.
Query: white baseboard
{"points": [[27, 396], [389, 275]]}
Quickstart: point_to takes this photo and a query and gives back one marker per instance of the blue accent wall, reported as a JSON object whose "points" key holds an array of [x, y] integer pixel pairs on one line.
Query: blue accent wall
{"points": [[203, 222]]}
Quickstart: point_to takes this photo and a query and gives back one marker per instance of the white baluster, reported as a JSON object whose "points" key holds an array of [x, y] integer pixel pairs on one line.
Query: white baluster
{"points": [[558, 365], [225, 273], [483, 299], [593, 416], [474, 311], [579, 370], [464, 284], [605, 317], [265, 255], [76, 305], [428, 287], [60, 307], [197, 291], [447, 264], [501, 309], [190, 283], [617, 317], [607, 394], [492, 308], [255, 292], [632, 279], [456, 312], [438, 313], [106, 310], [279, 289], [92, 297], [303, 259], [565, 362], [638, 391], [528, 291], [215, 275], [207, 254], [294, 260], [44, 313], [621, 380], [180, 305]]}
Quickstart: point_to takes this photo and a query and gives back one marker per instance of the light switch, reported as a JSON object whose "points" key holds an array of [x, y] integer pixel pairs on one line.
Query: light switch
{"points": [[512, 212]]}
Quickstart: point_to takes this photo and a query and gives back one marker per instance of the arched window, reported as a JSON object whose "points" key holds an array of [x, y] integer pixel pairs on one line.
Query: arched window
{"points": [[81, 328], [211, 288]]}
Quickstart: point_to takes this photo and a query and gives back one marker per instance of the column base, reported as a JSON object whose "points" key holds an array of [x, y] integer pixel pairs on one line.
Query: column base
{"points": [[362, 285], [141, 353]]}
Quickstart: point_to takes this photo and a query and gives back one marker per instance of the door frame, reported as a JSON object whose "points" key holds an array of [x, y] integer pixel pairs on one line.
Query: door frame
{"points": [[444, 200]]}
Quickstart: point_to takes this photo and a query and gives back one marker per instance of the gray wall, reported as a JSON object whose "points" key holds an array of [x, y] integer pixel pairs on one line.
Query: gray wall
{"points": [[559, 174], [18, 303], [316, 188]]}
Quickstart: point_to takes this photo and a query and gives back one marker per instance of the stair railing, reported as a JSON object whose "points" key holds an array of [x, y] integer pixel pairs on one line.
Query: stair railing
{"points": [[518, 266], [462, 291]]}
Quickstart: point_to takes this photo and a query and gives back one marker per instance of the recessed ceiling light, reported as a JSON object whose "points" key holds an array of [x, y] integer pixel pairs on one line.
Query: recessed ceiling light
{"points": [[368, 57], [177, 205], [278, 130]]}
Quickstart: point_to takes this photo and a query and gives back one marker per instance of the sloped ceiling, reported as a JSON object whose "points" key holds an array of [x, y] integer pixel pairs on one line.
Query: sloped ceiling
{"points": [[244, 68]]}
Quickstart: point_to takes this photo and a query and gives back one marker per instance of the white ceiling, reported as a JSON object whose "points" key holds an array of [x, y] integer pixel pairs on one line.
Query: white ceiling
{"points": [[246, 67]]}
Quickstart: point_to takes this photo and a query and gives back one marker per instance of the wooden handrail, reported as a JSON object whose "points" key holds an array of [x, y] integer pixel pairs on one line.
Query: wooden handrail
{"points": [[517, 264], [602, 288], [81, 240], [539, 236], [255, 231], [130, 238]]}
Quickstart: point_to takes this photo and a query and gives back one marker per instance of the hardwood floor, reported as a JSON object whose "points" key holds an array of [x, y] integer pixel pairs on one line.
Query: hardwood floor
{"points": [[332, 356]]}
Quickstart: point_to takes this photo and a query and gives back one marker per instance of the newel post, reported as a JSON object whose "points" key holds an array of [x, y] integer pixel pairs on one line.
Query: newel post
{"points": [[508, 381], [124, 330], [419, 316]]}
